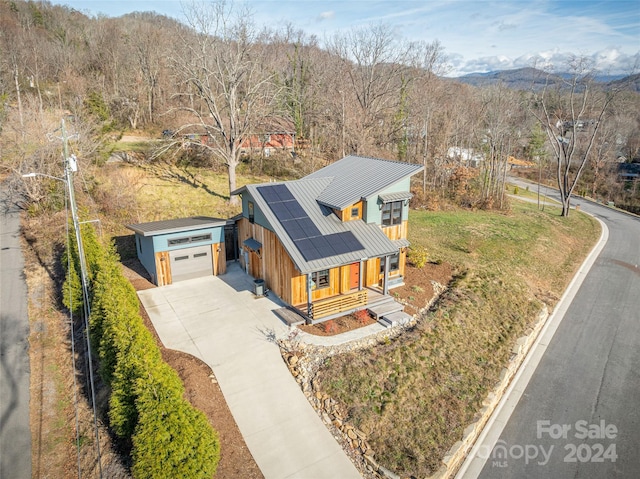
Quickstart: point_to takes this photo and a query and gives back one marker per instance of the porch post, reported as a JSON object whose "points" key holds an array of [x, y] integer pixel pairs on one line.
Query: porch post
{"points": [[385, 279], [309, 294]]}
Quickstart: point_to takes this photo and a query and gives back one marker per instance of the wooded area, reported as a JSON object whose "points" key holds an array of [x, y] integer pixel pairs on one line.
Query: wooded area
{"points": [[219, 78]]}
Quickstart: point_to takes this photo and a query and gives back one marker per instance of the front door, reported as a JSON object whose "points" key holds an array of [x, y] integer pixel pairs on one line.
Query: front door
{"points": [[354, 277]]}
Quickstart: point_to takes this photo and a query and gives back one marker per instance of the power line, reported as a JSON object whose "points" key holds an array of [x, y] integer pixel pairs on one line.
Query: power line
{"points": [[70, 167]]}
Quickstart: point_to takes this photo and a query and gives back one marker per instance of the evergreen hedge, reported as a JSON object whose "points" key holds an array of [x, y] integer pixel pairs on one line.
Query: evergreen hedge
{"points": [[147, 407]]}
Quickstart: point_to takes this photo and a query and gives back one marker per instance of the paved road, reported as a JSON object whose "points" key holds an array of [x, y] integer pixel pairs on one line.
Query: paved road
{"points": [[15, 435], [579, 415]]}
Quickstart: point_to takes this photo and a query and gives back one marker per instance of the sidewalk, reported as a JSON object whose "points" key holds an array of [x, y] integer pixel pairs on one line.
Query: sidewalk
{"points": [[220, 321]]}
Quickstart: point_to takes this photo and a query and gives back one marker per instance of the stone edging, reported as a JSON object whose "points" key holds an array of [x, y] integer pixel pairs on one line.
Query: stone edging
{"points": [[304, 360]]}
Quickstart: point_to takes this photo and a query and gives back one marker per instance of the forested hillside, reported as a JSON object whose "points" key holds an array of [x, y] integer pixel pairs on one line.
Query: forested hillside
{"points": [[221, 75]]}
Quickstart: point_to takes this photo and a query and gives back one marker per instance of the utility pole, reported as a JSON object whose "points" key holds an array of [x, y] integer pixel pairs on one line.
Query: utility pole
{"points": [[70, 167]]}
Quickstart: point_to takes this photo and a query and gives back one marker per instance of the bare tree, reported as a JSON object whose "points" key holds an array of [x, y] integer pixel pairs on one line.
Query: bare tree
{"points": [[376, 65], [571, 116], [226, 86]]}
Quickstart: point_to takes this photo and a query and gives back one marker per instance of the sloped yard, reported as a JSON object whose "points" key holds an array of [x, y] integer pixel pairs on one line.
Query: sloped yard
{"points": [[413, 396]]}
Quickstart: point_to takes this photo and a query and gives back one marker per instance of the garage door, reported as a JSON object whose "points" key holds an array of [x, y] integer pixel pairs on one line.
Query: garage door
{"points": [[191, 263]]}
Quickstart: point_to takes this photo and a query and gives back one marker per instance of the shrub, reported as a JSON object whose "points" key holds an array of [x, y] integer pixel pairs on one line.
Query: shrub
{"points": [[516, 190], [172, 439], [329, 326], [362, 316], [418, 256]]}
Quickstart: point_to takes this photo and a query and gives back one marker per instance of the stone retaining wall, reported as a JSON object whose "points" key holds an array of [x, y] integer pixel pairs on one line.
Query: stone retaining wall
{"points": [[304, 360]]}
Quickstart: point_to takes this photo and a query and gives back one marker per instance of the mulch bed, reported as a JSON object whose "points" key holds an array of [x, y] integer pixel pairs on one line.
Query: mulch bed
{"points": [[335, 326]]}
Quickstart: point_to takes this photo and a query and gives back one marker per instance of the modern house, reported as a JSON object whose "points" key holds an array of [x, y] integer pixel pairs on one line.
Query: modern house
{"points": [[328, 242]]}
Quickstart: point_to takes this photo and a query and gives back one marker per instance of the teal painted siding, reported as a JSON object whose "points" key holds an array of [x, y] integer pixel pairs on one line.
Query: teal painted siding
{"points": [[161, 242], [146, 255], [372, 210], [258, 216]]}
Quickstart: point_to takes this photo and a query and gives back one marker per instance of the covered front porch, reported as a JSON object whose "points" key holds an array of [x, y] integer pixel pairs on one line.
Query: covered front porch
{"points": [[370, 298]]}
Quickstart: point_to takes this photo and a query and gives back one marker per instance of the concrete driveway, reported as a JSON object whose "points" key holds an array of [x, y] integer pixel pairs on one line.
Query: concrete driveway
{"points": [[220, 321]]}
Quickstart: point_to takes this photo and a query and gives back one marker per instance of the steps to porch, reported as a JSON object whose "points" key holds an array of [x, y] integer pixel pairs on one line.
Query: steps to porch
{"points": [[388, 312]]}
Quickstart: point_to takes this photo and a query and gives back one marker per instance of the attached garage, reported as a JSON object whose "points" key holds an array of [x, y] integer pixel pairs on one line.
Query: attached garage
{"points": [[181, 249]]}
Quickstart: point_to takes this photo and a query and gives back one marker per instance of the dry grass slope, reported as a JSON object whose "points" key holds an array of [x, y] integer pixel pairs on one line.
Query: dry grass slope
{"points": [[415, 395]]}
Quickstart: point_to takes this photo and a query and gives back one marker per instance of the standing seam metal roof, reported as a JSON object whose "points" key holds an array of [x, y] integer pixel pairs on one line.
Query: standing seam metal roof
{"points": [[154, 228], [306, 191], [356, 177]]}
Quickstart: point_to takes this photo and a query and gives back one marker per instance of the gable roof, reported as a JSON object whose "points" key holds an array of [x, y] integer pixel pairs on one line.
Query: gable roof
{"points": [[306, 191], [357, 177]]}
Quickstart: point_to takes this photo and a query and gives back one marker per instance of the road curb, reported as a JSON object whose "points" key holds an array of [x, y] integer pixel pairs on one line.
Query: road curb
{"points": [[474, 463]]}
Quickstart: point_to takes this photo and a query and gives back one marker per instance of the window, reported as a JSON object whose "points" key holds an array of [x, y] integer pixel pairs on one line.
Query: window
{"points": [[189, 239], [200, 255], [392, 213], [320, 279], [394, 263], [355, 212], [139, 242], [177, 241], [195, 239], [181, 258], [250, 208]]}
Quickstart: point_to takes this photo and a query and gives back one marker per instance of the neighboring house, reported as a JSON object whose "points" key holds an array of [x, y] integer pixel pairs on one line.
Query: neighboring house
{"points": [[328, 242], [629, 171], [268, 143], [184, 248], [466, 156]]}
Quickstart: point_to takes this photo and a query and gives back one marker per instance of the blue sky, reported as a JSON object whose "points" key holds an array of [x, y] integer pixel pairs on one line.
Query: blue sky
{"points": [[477, 36]]}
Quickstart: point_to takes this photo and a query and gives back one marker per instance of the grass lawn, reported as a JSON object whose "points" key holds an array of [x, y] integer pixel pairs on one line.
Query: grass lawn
{"points": [[136, 194], [414, 396], [531, 193]]}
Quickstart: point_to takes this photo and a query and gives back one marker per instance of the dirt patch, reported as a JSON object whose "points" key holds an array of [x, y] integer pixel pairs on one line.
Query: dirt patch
{"points": [[204, 393], [419, 283]]}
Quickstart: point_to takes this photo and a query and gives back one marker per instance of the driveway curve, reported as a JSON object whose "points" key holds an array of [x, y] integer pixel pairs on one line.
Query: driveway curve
{"points": [[219, 320]]}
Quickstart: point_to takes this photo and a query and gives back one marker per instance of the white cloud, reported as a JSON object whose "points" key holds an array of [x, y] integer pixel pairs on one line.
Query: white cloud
{"points": [[328, 15]]}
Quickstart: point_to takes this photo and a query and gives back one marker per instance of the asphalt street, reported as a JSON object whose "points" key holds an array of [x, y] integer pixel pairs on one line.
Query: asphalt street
{"points": [[579, 415], [15, 434]]}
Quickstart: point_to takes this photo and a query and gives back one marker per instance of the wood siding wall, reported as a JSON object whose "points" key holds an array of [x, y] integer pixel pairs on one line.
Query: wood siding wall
{"points": [[396, 232], [273, 264], [219, 258], [345, 214], [163, 268]]}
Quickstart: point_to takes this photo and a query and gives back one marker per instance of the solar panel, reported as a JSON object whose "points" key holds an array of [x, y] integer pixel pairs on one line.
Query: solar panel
{"points": [[344, 242], [302, 230], [307, 249], [295, 209], [269, 194], [282, 192]]}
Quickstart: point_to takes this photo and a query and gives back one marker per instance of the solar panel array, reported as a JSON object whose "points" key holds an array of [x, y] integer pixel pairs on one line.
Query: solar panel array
{"points": [[303, 232]]}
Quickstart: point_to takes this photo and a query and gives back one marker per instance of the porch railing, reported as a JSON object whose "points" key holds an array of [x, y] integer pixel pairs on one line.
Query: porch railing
{"points": [[338, 304]]}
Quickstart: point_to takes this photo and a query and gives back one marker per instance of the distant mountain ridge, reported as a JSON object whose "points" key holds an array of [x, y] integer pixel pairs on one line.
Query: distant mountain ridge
{"points": [[531, 78]]}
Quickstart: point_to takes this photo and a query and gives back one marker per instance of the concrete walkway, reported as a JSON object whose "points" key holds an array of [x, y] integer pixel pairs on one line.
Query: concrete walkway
{"points": [[220, 321]]}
